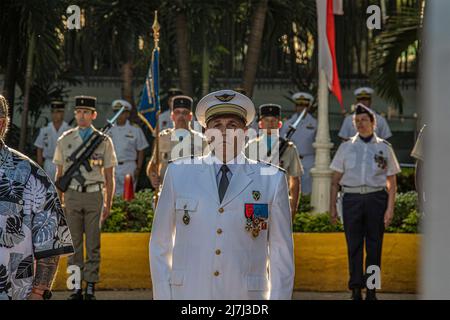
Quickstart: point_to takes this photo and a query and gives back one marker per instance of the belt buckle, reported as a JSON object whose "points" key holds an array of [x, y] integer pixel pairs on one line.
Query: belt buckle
{"points": [[364, 190]]}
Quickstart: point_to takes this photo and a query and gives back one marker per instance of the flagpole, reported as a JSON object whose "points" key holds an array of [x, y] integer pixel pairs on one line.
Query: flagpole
{"points": [[156, 27], [321, 173]]}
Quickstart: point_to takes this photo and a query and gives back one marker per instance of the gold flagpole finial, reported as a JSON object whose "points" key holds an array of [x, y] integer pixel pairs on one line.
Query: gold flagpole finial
{"points": [[156, 27]]}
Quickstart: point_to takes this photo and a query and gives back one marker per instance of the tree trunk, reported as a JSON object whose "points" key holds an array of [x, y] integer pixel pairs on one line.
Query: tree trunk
{"points": [[184, 59], [254, 46], [127, 82], [205, 67], [26, 101], [10, 79]]}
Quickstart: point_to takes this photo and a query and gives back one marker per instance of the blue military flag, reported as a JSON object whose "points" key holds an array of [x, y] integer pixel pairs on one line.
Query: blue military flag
{"points": [[149, 105]]}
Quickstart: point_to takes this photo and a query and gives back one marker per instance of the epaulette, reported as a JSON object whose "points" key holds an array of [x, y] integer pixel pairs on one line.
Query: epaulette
{"points": [[272, 165], [389, 144], [165, 131], [181, 158], [68, 132]]}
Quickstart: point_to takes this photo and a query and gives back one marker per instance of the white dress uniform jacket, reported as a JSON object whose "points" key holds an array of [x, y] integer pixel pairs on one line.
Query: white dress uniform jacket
{"points": [[348, 130], [128, 140], [46, 141], [214, 256]]}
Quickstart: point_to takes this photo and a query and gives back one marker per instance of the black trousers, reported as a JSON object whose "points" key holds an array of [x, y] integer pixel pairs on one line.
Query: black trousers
{"points": [[363, 216]]}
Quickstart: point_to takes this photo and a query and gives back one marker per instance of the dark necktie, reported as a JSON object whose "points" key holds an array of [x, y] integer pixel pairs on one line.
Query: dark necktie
{"points": [[223, 184]]}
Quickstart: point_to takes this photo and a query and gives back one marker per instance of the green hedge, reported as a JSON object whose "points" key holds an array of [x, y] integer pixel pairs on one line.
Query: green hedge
{"points": [[137, 215], [405, 180]]}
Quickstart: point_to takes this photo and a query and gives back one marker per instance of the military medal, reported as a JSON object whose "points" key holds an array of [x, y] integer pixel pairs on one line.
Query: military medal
{"points": [[256, 215], [248, 225], [256, 195], [186, 217]]}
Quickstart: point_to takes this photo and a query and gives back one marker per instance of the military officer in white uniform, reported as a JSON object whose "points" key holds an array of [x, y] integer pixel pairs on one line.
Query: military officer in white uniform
{"points": [[304, 136], [222, 227], [129, 143], [365, 169], [364, 95], [46, 140]]}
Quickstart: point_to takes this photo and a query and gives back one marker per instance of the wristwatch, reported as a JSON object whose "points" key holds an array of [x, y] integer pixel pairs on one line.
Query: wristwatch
{"points": [[45, 294]]}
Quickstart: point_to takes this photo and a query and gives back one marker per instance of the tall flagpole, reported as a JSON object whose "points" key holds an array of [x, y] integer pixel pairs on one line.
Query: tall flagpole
{"points": [[321, 173], [156, 27]]}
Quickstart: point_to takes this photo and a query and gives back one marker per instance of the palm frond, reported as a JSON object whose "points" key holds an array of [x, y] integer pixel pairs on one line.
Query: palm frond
{"points": [[400, 33]]}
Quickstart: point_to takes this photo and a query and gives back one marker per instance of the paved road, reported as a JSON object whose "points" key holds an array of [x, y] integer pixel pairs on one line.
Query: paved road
{"points": [[298, 295]]}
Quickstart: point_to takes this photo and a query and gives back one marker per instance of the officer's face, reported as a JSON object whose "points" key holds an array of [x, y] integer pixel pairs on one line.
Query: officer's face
{"points": [[300, 106], [123, 117], [85, 117], [181, 117], [226, 135], [363, 124], [57, 116], [269, 123]]}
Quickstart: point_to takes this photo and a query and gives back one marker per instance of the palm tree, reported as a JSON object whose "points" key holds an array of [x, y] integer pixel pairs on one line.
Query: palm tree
{"points": [[184, 57], [33, 53], [254, 46], [118, 26], [400, 36], [9, 49]]}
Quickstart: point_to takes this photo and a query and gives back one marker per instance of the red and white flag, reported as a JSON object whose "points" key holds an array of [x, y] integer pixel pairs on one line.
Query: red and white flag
{"points": [[326, 9]]}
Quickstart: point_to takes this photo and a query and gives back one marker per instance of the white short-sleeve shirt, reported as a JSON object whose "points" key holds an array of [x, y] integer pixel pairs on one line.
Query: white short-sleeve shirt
{"points": [[47, 138], [304, 136], [365, 164], [128, 140]]}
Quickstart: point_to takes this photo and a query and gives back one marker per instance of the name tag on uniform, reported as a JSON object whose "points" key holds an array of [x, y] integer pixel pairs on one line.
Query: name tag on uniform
{"points": [[256, 214], [129, 136]]}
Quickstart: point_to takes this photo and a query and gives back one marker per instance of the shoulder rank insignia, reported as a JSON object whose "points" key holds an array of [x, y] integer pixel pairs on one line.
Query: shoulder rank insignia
{"points": [[384, 141], [271, 164]]}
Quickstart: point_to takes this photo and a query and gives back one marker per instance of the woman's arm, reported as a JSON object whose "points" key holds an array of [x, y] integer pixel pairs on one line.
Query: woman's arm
{"points": [[391, 185], [333, 195]]}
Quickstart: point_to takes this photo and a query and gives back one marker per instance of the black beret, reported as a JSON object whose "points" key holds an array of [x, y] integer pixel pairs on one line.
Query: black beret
{"points": [[360, 109]]}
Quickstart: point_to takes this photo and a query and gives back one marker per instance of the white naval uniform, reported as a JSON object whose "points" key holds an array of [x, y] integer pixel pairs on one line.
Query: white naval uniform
{"points": [[364, 166], [303, 138], [46, 141], [361, 163], [214, 256], [128, 140], [348, 130]]}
